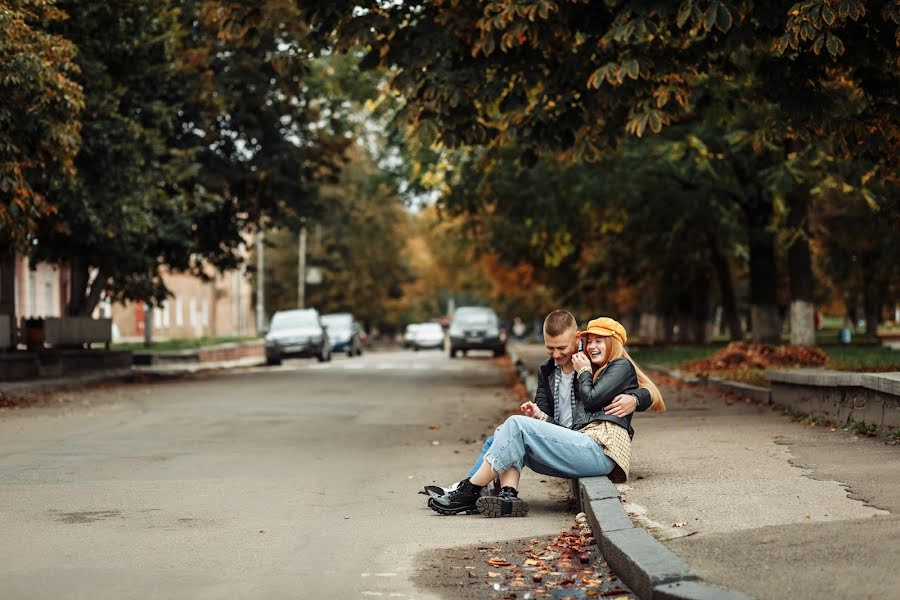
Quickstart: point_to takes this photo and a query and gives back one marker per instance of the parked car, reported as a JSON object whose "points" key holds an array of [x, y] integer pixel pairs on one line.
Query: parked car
{"points": [[297, 332], [344, 332], [476, 328], [428, 335], [409, 334]]}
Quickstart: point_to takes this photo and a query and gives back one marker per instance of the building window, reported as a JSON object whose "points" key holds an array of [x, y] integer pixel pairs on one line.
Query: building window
{"points": [[179, 316], [192, 311]]}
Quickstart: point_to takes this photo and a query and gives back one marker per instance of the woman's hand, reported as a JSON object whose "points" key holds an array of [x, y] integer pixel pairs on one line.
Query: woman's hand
{"points": [[622, 405], [530, 409], [580, 361]]}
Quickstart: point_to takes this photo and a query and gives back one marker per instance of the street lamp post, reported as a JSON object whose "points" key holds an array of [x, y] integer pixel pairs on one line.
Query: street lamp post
{"points": [[301, 267], [260, 281]]}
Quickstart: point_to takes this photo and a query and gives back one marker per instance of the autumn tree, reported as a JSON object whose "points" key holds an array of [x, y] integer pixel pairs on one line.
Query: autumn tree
{"points": [[40, 106], [476, 73]]}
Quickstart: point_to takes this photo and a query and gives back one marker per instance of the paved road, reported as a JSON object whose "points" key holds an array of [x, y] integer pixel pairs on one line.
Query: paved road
{"points": [[292, 482]]}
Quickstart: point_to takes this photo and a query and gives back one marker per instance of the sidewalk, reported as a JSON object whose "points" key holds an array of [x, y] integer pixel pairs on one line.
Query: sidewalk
{"points": [[164, 370], [757, 503]]}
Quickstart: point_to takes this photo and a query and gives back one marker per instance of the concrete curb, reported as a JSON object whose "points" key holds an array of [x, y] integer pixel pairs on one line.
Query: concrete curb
{"points": [[756, 393], [652, 571], [157, 372]]}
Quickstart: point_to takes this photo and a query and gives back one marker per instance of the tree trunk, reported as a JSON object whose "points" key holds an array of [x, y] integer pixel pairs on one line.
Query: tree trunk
{"points": [[701, 314], [726, 289], [84, 293], [8, 291], [93, 297], [872, 305], [148, 325], [803, 330], [78, 288], [766, 322]]}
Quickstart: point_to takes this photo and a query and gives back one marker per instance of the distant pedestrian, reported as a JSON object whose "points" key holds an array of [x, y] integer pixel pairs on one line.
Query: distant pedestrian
{"points": [[518, 329]]}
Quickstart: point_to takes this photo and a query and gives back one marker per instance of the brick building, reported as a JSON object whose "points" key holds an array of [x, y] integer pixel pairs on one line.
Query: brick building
{"points": [[222, 307]]}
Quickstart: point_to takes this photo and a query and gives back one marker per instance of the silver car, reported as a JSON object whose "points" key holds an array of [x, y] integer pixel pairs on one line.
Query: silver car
{"points": [[297, 332]]}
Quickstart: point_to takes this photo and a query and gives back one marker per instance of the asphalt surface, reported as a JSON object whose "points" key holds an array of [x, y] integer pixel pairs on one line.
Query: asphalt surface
{"points": [[762, 504], [291, 482]]}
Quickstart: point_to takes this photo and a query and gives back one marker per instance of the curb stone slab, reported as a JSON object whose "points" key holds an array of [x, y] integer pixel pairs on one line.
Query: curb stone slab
{"points": [[642, 562], [596, 488], [606, 516], [693, 590]]}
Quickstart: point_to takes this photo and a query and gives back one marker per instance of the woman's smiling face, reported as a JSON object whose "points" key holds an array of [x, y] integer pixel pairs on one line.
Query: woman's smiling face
{"points": [[595, 348]]}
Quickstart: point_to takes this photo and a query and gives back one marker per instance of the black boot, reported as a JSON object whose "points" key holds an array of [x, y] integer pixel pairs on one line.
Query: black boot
{"points": [[505, 504], [462, 499]]}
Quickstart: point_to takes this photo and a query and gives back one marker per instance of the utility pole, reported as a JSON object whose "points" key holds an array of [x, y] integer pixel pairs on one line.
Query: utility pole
{"points": [[260, 282], [301, 267]]}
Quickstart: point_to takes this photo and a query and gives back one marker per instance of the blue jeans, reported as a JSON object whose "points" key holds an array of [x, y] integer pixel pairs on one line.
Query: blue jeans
{"points": [[547, 449], [484, 448]]}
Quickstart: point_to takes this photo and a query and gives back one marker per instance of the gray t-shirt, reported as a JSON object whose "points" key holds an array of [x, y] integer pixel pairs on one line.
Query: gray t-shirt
{"points": [[563, 400]]}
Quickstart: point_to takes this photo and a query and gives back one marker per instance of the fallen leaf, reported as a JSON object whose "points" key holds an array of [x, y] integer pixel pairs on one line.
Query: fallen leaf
{"points": [[498, 562], [493, 574]]}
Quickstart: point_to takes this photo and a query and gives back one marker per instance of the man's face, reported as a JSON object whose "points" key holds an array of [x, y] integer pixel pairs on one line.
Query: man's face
{"points": [[561, 347]]}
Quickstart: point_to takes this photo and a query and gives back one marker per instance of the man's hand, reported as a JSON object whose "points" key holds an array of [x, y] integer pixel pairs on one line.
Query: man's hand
{"points": [[622, 406], [581, 361], [530, 409]]}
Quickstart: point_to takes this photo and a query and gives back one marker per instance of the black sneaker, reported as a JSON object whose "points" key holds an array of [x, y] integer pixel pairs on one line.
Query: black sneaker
{"points": [[435, 491], [505, 504], [462, 499]]}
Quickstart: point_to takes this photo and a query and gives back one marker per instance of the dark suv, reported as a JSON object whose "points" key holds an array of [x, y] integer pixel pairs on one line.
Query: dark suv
{"points": [[344, 332], [476, 328]]}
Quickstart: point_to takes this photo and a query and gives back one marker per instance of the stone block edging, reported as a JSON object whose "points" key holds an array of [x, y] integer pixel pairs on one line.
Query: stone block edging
{"points": [[219, 352], [652, 571]]}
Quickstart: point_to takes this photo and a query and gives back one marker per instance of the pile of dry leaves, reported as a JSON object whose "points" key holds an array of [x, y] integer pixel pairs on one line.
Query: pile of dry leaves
{"points": [[747, 355], [566, 566]]}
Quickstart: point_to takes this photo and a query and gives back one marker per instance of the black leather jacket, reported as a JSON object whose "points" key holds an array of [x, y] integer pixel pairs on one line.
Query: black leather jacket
{"points": [[618, 378]]}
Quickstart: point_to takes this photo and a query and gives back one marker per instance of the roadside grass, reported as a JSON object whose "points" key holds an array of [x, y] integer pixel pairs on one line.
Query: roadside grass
{"points": [[862, 358], [893, 435], [862, 428], [672, 356], [182, 343], [852, 357]]}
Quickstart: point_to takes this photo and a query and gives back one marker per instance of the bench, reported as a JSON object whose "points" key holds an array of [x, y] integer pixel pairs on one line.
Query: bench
{"points": [[77, 332]]}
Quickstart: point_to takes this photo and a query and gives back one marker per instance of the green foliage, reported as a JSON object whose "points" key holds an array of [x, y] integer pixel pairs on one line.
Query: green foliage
{"points": [[181, 344], [862, 428], [358, 236], [39, 108]]}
